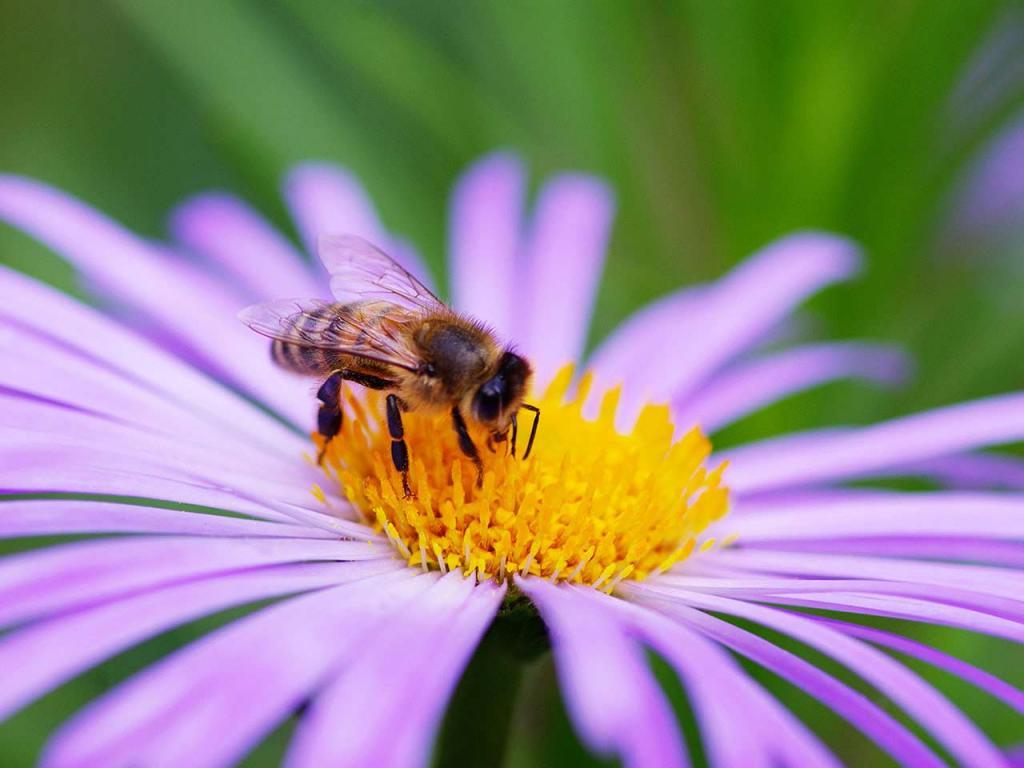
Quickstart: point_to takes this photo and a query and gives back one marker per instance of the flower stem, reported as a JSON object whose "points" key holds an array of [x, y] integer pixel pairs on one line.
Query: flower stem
{"points": [[479, 719]]}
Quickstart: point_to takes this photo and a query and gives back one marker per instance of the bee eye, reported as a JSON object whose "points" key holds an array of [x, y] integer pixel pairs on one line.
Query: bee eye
{"points": [[429, 370], [487, 403], [487, 407]]}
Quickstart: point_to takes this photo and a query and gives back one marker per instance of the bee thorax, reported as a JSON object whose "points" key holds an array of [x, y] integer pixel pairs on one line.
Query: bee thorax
{"points": [[458, 355]]}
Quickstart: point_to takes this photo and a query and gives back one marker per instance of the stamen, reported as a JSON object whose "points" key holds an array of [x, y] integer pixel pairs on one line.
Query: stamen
{"points": [[591, 505]]}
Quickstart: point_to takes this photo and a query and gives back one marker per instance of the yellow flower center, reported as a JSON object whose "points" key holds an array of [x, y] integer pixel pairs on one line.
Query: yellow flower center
{"points": [[591, 505]]}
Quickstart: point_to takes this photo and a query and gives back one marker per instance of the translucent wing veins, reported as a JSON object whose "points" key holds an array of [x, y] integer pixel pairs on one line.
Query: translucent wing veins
{"points": [[360, 272], [326, 325]]}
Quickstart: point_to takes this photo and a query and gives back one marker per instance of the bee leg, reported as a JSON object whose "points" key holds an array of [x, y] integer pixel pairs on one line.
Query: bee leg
{"points": [[466, 444], [515, 433], [399, 450], [498, 437], [532, 429], [329, 417]]}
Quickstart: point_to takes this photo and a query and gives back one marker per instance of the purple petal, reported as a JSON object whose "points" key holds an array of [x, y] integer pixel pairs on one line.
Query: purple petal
{"points": [[327, 200], [861, 712], [794, 589], [44, 655], [993, 196], [81, 481], [147, 455], [335, 520], [753, 385], [974, 471], [999, 516], [630, 344], [46, 447], [33, 479], [796, 744], [50, 517], [1008, 613], [240, 241], [910, 609], [926, 705], [486, 218], [741, 308], [1008, 694], [958, 548], [992, 581], [201, 328], [984, 600], [417, 659], [808, 458], [628, 352], [48, 389], [186, 709], [613, 699], [435, 687], [55, 579], [565, 255], [171, 294], [122, 263], [80, 439], [742, 725], [61, 322]]}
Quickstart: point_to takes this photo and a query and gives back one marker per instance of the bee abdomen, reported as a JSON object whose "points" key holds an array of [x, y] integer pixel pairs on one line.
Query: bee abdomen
{"points": [[300, 359], [306, 358]]}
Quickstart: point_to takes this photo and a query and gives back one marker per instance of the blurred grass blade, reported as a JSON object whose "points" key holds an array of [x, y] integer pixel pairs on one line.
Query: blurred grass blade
{"points": [[264, 94], [412, 72]]}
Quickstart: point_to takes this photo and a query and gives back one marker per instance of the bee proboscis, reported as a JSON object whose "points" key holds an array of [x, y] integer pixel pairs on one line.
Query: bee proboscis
{"points": [[387, 331]]}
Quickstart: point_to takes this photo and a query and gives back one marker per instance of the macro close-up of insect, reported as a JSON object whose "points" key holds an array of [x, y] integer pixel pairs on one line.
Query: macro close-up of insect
{"points": [[387, 331]]}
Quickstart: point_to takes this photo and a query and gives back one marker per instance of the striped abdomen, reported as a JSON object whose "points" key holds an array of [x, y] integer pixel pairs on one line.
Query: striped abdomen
{"points": [[310, 361], [339, 337], [307, 359]]}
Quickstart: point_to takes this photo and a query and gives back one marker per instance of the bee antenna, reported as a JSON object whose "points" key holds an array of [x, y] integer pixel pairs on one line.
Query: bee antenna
{"points": [[533, 428]]}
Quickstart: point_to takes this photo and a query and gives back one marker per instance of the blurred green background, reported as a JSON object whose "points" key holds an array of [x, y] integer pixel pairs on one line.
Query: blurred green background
{"points": [[721, 125]]}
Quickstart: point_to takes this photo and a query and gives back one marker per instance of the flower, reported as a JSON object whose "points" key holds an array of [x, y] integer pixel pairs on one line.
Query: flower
{"points": [[161, 417], [593, 506]]}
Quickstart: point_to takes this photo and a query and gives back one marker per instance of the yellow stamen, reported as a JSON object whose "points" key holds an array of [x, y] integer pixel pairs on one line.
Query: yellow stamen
{"points": [[590, 505]]}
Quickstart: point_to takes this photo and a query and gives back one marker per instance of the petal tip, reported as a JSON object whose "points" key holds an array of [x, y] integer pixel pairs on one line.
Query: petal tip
{"points": [[315, 174], [197, 211], [841, 255], [502, 169]]}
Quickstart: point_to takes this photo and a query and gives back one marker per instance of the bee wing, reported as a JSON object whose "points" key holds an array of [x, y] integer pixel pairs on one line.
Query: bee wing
{"points": [[362, 272], [325, 325]]}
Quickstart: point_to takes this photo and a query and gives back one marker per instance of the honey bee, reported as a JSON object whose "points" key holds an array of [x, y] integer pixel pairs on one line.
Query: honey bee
{"points": [[387, 331]]}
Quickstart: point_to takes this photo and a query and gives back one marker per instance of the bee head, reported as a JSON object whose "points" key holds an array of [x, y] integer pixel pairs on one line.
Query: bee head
{"points": [[501, 395]]}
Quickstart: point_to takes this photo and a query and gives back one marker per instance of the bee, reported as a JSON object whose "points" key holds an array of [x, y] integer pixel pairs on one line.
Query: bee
{"points": [[387, 331]]}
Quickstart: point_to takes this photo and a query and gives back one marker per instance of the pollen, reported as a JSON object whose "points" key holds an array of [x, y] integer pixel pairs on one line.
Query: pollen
{"points": [[589, 506]]}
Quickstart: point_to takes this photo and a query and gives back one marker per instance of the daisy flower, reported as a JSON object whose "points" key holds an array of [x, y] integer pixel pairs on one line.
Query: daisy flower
{"points": [[159, 417]]}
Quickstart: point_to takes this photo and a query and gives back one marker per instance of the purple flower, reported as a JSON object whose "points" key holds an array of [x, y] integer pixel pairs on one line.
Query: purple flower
{"points": [[163, 395]]}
